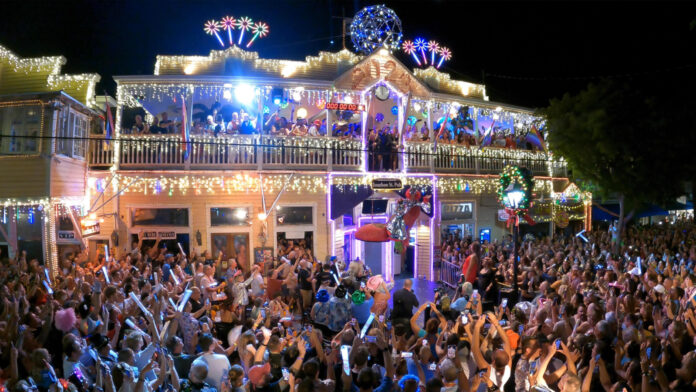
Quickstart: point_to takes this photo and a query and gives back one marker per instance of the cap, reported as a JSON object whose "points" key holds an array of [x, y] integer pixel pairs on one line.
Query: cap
{"points": [[322, 295], [258, 372], [659, 288]]}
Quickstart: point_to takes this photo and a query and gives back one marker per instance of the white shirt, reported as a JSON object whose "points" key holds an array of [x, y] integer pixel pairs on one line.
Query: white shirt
{"points": [[205, 283], [218, 368]]}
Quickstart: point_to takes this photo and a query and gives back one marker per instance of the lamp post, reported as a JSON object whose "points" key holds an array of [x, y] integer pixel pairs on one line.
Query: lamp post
{"points": [[512, 197]]}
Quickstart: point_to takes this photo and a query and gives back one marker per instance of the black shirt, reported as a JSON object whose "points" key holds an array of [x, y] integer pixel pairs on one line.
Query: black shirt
{"points": [[325, 275], [404, 302], [304, 279]]}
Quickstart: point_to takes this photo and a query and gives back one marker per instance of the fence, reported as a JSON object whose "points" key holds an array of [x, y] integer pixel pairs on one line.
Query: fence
{"points": [[450, 273]]}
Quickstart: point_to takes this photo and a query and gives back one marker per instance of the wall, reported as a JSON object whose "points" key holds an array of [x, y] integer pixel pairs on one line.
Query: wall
{"points": [[68, 177], [24, 177]]}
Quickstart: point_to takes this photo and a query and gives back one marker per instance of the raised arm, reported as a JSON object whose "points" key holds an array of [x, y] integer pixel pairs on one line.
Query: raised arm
{"points": [[414, 320], [476, 344]]}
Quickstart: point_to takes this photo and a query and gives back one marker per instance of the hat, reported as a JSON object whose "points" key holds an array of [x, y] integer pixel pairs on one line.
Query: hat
{"points": [[659, 288], [340, 291], [322, 295], [317, 122], [374, 282], [257, 373], [358, 297], [99, 341]]}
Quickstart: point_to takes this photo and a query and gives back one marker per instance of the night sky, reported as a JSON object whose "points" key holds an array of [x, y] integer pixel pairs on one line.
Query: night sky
{"points": [[528, 52]]}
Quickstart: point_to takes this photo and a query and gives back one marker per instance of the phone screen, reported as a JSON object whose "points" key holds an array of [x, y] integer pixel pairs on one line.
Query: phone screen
{"points": [[504, 303], [425, 342], [464, 319], [532, 367], [345, 351], [558, 344], [648, 351]]}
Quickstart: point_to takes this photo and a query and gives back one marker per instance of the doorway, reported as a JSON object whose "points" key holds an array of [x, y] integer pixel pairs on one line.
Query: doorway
{"points": [[233, 246]]}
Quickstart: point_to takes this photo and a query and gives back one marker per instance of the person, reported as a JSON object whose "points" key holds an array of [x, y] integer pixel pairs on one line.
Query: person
{"points": [[217, 365], [196, 381], [166, 123], [470, 268], [404, 302], [139, 128], [304, 277]]}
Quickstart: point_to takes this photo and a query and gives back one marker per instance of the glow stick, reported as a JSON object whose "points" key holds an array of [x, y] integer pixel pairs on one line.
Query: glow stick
{"points": [[184, 299], [106, 275], [367, 325], [48, 276], [132, 325], [345, 352], [176, 281], [140, 304], [179, 245], [106, 252], [156, 277], [415, 57], [48, 288], [171, 302], [336, 278]]}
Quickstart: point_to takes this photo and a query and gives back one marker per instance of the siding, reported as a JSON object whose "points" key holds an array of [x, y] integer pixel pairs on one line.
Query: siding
{"points": [[424, 249], [68, 177], [24, 177]]}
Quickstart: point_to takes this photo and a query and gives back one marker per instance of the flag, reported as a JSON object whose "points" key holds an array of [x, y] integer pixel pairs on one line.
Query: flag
{"points": [[185, 133], [534, 137], [487, 137], [108, 124]]}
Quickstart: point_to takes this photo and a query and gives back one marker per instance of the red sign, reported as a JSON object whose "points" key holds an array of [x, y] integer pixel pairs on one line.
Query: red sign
{"points": [[353, 107]]}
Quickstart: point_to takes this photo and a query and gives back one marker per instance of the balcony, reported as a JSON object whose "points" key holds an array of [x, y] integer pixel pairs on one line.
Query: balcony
{"points": [[307, 153]]}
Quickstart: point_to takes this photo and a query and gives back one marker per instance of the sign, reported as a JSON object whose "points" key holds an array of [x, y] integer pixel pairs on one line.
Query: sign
{"points": [[89, 228], [66, 235], [456, 211], [386, 184], [164, 235], [353, 107], [503, 216]]}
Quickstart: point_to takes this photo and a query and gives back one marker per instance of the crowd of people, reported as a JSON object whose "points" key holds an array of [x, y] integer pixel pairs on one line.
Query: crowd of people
{"points": [[592, 316]]}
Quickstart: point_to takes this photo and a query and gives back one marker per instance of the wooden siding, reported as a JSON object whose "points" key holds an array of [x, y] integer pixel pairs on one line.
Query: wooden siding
{"points": [[24, 177], [68, 176]]}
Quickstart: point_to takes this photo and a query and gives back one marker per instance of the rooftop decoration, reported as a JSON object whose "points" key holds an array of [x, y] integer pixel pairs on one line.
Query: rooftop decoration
{"points": [[243, 24], [423, 47], [375, 27]]}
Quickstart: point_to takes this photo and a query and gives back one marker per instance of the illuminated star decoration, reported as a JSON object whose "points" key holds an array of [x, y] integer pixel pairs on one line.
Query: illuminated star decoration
{"points": [[421, 46], [260, 30], [409, 48], [445, 55], [244, 23], [433, 47], [228, 23], [212, 27], [375, 27]]}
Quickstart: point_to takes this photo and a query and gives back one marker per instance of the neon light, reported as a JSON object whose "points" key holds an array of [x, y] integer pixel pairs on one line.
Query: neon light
{"points": [[436, 210], [260, 30], [228, 23], [382, 218], [445, 55], [409, 48], [421, 46], [212, 27], [433, 47], [244, 23]]}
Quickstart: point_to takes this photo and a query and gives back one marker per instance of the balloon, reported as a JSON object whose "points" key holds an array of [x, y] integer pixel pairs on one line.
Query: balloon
{"points": [[379, 117], [395, 110], [412, 120]]}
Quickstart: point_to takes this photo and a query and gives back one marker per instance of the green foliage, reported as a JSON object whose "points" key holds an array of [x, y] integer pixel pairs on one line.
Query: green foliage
{"points": [[623, 139]]}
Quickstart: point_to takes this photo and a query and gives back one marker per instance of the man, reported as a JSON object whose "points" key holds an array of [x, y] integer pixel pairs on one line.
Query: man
{"points": [[404, 302], [304, 277], [217, 365], [208, 282], [196, 379], [182, 362]]}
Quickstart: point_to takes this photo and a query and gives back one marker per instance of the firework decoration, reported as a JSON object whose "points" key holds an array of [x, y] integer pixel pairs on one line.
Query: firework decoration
{"points": [[244, 23], [421, 46], [212, 27], [228, 23], [260, 30], [433, 48], [445, 55], [409, 48], [374, 27]]}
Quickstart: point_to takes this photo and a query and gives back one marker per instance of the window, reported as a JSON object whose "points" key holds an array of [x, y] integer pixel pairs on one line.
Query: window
{"points": [[22, 124], [160, 217], [294, 216], [225, 216], [72, 128], [457, 211]]}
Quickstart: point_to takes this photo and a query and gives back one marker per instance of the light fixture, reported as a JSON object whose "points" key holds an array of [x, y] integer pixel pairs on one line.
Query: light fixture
{"points": [[227, 94], [188, 70], [240, 213], [513, 196], [499, 109], [262, 216], [417, 107], [301, 113], [296, 96], [348, 99], [244, 93]]}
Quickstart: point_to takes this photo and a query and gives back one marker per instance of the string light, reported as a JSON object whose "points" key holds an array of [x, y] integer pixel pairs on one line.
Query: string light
{"points": [[76, 85], [375, 27], [50, 64]]}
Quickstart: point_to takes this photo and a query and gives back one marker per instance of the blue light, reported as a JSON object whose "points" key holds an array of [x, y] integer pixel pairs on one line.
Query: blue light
{"points": [[395, 110], [266, 110], [276, 101], [331, 42], [31, 216]]}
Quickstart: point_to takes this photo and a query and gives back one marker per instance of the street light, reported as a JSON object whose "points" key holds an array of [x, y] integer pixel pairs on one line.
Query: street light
{"points": [[512, 199]]}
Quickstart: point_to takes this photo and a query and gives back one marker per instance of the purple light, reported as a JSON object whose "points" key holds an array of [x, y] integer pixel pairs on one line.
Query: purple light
{"points": [[373, 219], [432, 226]]}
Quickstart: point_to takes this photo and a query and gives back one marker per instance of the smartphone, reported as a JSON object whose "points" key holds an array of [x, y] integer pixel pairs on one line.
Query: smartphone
{"points": [[532, 367], [648, 351], [406, 355], [371, 339], [475, 293], [520, 329], [451, 352], [558, 344], [465, 319], [362, 285], [425, 342], [286, 374], [433, 367], [502, 323], [263, 313], [381, 319], [504, 303], [596, 358]]}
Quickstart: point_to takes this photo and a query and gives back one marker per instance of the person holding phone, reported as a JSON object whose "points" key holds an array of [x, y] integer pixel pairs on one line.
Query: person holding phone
{"points": [[498, 371]]}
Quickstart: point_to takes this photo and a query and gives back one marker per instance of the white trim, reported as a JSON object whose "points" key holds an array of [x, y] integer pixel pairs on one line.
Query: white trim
{"points": [[284, 228]]}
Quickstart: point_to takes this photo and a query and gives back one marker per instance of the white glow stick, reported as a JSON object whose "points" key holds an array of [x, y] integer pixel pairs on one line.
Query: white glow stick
{"points": [[132, 325], [367, 325], [181, 249], [336, 278], [174, 278], [184, 300], [48, 288], [137, 302], [345, 352], [48, 276], [106, 275], [156, 278], [106, 252], [171, 301]]}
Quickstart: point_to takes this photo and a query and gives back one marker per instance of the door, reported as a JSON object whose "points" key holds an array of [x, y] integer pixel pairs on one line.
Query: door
{"points": [[373, 256], [233, 246]]}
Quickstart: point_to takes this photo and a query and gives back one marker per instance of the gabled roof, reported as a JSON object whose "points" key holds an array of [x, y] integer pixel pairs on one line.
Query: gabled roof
{"points": [[382, 66]]}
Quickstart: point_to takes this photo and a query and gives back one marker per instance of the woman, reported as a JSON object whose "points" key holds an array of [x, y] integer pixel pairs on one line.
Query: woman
{"points": [[471, 265], [488, 285]]}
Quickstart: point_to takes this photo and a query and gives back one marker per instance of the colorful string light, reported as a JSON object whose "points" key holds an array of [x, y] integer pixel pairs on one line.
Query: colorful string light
{"points": [[244, 23], [260, 30], [228, 23], [375, 27], [212, 27], [409, 48], [445, 55], [433, 47]]}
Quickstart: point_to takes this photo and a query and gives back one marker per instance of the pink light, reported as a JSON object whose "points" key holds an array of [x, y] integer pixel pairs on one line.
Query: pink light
{"points": [[432, 226]]}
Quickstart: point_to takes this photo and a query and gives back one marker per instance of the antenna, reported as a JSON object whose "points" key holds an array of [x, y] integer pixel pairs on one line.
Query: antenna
{"points": [[344, 21]]}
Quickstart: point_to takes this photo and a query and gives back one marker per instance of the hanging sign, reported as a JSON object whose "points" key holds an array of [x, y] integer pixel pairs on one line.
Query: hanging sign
{"points": [[386, 184], [164, 235], [66, 235], [503, 215], [353, 107], [89, 228]]}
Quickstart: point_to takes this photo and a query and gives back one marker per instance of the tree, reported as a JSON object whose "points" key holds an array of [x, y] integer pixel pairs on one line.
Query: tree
{"points": [[623, 138]]}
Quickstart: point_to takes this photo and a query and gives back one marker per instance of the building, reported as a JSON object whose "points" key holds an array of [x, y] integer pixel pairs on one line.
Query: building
{"points": [[246, 192], [45, 118]]}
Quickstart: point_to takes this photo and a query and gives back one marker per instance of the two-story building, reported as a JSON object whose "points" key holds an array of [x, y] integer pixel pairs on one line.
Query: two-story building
{"points": [[310, 151]]}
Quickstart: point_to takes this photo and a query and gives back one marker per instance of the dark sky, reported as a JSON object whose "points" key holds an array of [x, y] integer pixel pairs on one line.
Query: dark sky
{"points": [[544, 46]]}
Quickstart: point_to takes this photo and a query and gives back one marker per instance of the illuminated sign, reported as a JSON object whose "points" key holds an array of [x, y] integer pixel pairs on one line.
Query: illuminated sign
{"points": [[386, 184], [353, 107], [89, 228], [165, 235]]}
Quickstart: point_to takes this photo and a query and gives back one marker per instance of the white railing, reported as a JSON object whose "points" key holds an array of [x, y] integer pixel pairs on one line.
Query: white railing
{"points": [[100, 153]]}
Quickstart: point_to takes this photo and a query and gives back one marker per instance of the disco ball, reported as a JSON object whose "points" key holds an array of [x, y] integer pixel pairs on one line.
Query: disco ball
{"points": [[375, 26]]}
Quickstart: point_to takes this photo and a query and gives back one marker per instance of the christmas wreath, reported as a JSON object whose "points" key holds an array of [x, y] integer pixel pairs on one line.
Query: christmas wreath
{"points": [[516, 178]]}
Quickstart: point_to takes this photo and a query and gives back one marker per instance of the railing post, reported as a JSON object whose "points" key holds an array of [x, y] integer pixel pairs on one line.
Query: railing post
{"points": [[260, 153], [431, 156], [329, 147]]}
